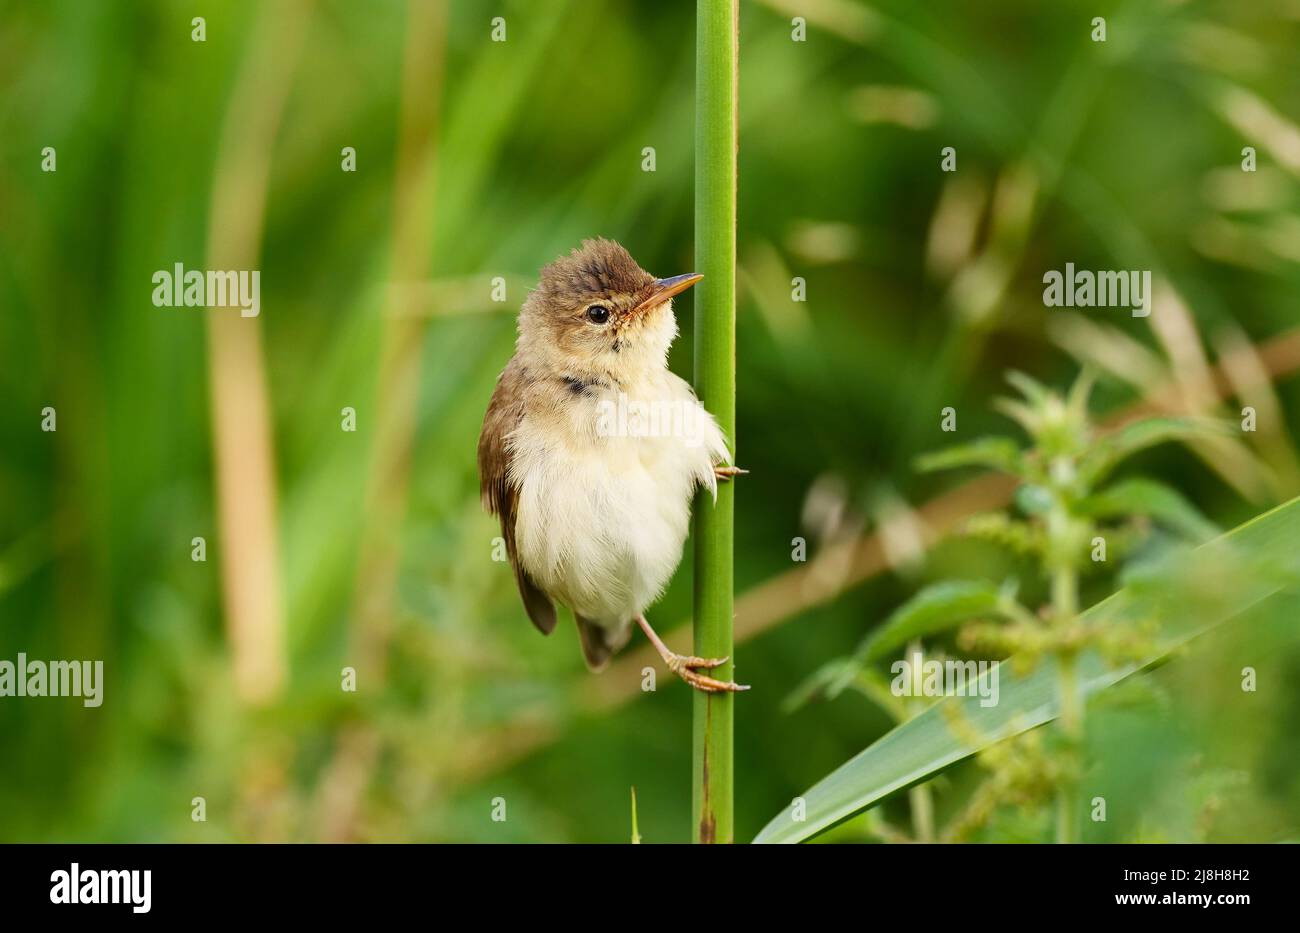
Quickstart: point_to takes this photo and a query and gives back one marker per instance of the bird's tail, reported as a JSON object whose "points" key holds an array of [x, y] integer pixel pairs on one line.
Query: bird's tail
{"points": [[599, 643]]}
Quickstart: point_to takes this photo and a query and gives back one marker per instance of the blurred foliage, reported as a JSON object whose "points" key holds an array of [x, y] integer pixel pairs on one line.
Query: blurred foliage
{"points": [[922, 287], [1174, 592]]}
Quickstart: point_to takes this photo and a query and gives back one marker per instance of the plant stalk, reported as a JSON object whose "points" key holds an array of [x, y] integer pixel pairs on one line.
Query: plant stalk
{"points": [[1067, 792], [1065, 609], [716, 62], [921, 800]]}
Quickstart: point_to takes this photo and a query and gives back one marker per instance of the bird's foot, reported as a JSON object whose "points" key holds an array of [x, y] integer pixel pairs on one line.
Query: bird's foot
{"points": [[726, 473], [684, 665]]}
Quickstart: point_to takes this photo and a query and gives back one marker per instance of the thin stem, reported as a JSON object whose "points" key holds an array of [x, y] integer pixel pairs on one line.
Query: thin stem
{"points": [[1065, 607], [1067, 792], [921, 799], [242, 437], [715, 383], [1065, 594]]}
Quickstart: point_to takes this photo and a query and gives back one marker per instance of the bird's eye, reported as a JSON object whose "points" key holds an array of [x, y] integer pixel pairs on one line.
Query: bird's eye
{"points": [[598, 314]]}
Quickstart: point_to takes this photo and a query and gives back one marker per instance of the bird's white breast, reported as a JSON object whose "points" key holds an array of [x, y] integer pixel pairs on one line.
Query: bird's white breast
{"points": [[603, 508]]}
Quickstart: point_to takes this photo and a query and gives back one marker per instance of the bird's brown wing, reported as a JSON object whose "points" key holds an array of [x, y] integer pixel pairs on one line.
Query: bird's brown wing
{"points": [[500, 495]]}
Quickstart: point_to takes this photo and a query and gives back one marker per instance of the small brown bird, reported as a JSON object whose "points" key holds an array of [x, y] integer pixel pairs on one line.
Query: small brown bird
{"points": [[592, 450]]}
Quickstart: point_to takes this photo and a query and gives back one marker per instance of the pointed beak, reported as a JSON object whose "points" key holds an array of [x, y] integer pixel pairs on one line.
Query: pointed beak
{"points": [[663, 289]]}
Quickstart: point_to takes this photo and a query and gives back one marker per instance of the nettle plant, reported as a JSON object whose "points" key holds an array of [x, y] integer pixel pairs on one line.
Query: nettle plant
{"points": [[1070, 517]]}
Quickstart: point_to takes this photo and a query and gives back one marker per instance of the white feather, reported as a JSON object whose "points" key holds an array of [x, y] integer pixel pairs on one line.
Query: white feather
{"points": [[601, 518]]}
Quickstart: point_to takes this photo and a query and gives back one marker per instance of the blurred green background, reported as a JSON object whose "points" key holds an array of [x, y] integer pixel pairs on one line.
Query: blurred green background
{"points": [[478, 159]]}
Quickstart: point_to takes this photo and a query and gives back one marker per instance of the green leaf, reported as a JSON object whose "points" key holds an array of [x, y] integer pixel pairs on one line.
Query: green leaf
{"points": [[995, 453], [1033, 391], [1020, 413], [934, 609], [834, 674], [1215, 582], [840, 674], [1076, 401], [1156, 500], [1137, 436]]}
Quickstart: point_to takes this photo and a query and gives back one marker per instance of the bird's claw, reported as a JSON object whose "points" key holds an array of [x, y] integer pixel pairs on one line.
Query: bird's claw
{"points": [[726, 473], [687, 660], [683, 666]]}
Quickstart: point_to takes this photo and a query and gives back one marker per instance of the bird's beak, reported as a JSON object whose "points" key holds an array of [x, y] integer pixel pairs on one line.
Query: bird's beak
{"points": [[663, 289]]}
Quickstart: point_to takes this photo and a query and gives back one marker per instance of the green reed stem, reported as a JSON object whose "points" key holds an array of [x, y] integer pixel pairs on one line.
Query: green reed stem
{"points": [[716, 50]]}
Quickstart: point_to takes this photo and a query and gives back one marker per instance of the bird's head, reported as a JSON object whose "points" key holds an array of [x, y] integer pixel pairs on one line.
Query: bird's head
{"points": [[597, 315]]}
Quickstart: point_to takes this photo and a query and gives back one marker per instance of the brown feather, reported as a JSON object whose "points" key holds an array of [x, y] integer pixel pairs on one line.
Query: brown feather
{"points": [[500, 496]]}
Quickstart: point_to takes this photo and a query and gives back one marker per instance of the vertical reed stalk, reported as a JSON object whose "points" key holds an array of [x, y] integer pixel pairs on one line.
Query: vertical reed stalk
{"points": [[716, 59], [242, 441]]}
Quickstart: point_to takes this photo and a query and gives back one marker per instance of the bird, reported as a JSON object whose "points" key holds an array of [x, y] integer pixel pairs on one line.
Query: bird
{"points": [[593, 489]]}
